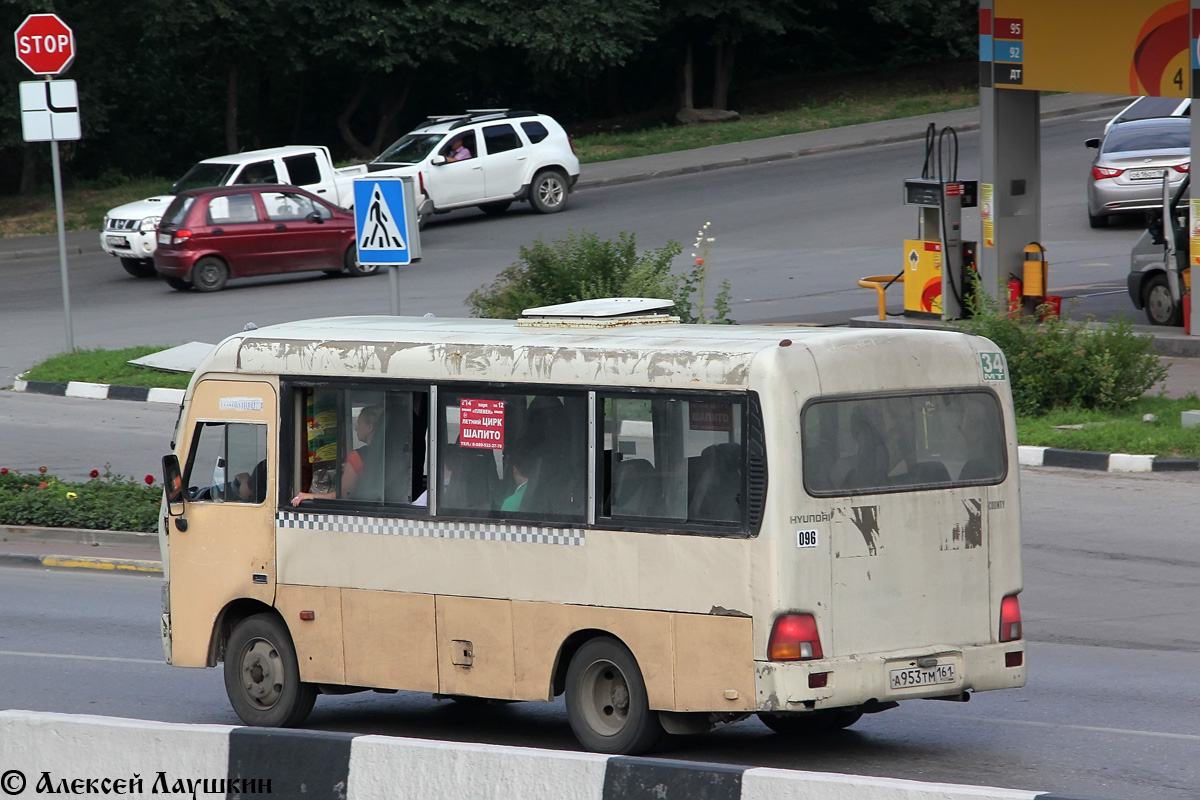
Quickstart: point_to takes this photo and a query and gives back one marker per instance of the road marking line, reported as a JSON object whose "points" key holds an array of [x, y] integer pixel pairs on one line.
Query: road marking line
{"points": [[80, 658], [1090, 728]]}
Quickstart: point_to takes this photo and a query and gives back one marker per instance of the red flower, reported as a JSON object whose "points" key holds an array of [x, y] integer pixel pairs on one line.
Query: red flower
{"points": [[43, 485], [42, 470], [149, 480], [95, 473], [699, 262], [3, 470]]}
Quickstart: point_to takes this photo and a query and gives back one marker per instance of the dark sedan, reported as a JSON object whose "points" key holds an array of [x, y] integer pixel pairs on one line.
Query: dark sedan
{"points": [[208, 236]]}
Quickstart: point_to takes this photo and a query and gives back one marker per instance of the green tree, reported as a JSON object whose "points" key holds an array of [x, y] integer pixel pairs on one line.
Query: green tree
{"points": [[723, 27]]}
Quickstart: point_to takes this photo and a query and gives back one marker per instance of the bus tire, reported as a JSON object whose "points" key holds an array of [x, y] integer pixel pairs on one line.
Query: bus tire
{"points": [[808, 723], [262, 676], [607, 704]]}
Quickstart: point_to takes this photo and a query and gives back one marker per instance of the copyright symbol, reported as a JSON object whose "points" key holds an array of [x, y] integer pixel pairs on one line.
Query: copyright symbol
{"points": [[12, 782]]}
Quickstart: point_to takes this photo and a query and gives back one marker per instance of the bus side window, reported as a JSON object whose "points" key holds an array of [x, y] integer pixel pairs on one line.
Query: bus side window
{"points": [[361, 445], [228, 463], [513, 455], [677, 459]]}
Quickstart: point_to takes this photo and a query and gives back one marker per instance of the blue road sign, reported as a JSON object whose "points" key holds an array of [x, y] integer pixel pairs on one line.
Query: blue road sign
{"points": [[380, 221]]}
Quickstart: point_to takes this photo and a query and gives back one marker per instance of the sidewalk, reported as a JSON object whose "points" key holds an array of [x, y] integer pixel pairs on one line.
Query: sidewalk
{"points": [[107, 551]]}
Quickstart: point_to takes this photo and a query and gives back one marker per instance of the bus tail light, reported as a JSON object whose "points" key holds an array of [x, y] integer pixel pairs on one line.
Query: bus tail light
{"points": [[794, 638], [1010, 619]]}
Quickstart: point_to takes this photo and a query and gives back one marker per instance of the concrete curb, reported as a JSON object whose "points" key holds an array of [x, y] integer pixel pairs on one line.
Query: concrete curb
{"points": [[1029, 456], [172, 758], [88, 536], [82, 562], [100, 391]]}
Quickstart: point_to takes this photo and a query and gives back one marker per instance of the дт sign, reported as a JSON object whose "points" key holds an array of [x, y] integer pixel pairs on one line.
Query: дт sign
{"points": [[45, 45]]}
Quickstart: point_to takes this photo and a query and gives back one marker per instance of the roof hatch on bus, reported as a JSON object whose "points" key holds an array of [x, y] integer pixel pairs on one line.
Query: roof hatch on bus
{"points": [[605, 312]]}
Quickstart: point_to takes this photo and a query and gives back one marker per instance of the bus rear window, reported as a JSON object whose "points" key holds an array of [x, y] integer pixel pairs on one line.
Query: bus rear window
{"points": [[902, 443]]}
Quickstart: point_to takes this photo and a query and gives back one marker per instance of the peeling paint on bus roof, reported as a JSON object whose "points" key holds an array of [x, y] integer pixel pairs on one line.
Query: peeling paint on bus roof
{"points": [[717, 356]]}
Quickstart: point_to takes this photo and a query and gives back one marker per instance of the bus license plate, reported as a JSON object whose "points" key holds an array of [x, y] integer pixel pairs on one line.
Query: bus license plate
{"points": [[922, 676], [1145, 174]]}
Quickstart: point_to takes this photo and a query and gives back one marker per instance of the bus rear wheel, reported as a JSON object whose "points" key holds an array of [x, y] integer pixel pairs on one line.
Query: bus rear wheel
{"points": [[607, 704], [262, 676], [808, 723]]}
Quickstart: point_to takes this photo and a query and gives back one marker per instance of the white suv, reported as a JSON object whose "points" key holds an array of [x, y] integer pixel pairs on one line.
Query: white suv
{"points": [[486, 158]]}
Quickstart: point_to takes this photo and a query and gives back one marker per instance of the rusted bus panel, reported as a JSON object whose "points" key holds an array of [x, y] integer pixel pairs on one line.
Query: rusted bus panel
{"points": [[475, 647], [390, 640], [541, 628], [714, 663], [609, 568], [319, 640]]}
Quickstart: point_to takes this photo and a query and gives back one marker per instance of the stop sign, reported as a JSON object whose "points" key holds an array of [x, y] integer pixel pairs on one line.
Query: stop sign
{"points": [[45, 44]]}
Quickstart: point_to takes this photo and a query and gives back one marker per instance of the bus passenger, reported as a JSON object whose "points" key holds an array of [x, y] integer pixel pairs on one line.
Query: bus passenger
{"points": [[362, 471], [519, 460]]}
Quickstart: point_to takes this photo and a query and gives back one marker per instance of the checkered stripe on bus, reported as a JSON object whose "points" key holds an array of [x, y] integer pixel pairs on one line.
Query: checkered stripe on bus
{"points": [[391, 526]]}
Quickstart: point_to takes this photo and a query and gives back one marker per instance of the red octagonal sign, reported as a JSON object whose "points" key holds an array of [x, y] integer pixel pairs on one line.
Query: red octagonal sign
{"points": [[45, 44]]}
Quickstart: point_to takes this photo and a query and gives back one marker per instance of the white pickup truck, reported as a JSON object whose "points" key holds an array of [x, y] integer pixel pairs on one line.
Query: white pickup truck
{"points": [[128, 230], [487, 158]]}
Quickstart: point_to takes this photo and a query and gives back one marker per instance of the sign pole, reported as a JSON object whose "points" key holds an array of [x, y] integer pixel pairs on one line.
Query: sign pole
{"points": [[62, 243], [394, 281], [386, 228], [45, 45]]}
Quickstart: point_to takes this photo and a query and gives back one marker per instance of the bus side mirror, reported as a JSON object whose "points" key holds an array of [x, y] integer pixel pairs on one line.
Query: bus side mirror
{"points": [[173, 481]]}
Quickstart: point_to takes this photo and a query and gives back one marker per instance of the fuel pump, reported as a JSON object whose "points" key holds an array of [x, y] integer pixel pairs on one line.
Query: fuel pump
{"points": [[938, 261]]}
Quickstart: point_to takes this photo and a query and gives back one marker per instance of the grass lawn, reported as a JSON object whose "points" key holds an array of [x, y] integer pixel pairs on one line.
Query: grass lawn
{"points": [[107, 366], [848, 110], [1124, 432]]}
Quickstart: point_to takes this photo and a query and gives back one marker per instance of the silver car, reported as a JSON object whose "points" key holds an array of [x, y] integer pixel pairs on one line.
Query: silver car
{"points": [[1130, 161]]}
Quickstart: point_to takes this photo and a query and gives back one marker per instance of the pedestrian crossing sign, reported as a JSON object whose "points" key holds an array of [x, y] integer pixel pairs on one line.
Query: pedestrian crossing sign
{"points": [[381, 221]]}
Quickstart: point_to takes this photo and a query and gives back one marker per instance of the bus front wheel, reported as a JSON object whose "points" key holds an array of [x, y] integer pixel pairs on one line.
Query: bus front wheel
{"points": [[262, 676], [607, 704]]}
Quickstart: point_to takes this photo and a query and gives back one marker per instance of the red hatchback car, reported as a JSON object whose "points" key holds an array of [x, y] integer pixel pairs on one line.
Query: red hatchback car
{"points": [[208, 236]]}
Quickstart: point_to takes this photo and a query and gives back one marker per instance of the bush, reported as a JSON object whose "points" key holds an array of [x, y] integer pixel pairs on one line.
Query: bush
{"points": [[584, 267], [107, 502], [1060, 363]]}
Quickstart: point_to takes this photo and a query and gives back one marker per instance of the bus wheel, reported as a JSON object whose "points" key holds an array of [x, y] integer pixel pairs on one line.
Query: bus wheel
{"points": [[606, 700], [809, 722], [262, 677]]}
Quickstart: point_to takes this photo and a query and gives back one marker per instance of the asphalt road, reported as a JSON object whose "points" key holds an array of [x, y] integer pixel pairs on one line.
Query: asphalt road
{"points": [[792, 237], [1110, 709]]}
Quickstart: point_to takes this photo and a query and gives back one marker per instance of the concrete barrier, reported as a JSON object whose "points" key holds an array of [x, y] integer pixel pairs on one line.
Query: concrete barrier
{"points": [[67, 754]]}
